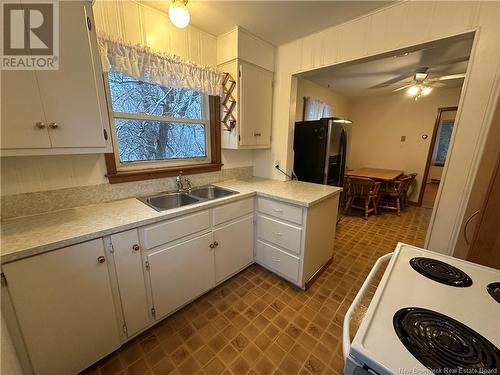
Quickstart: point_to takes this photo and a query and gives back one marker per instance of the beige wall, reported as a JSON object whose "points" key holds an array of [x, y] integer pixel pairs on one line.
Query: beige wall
{"points": [[397, 26], [306, 88], [380, 122], [136, 23]]}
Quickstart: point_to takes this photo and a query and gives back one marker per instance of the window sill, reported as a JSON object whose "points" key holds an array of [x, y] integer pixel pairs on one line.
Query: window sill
{"points": [[148, 174]]}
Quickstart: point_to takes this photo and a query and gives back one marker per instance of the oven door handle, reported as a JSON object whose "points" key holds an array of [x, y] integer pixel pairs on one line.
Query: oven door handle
{"points": [[346, 334]]}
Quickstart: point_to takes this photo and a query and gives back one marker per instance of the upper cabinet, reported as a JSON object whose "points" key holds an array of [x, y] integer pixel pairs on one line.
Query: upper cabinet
{"points": [[250, 62], [59, 111]]}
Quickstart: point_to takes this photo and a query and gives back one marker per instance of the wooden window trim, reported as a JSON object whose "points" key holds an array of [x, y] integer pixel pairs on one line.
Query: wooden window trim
{"points": [[214, 165]]}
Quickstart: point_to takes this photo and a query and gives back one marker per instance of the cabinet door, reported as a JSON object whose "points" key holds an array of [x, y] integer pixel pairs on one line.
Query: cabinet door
{"points": [[21, 111], [181, 273], [129, 271], [256, 95], [73, 95], [64, 306], [234, 249]]}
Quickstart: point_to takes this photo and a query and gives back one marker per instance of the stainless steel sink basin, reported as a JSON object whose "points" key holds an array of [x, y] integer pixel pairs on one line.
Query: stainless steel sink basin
{"points": [[211, 192], [168, 201]]}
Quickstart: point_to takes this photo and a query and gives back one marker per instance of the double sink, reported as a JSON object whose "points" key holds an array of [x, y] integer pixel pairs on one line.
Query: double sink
{"points": [[167, 201]]}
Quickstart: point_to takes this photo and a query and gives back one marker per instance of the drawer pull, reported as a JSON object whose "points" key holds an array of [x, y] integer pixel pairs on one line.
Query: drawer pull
{"points": [[257, 134], [277, 234], [277, 260], [278, 210]]}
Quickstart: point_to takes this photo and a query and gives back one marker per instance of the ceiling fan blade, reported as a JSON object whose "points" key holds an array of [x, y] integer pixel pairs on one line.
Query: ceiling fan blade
{"points": [[436, 85], [391, 82], [449, 76], [402, 88]]}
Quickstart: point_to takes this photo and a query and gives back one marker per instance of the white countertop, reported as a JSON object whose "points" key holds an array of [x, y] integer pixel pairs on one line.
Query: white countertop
{"points": [[29, 235]]}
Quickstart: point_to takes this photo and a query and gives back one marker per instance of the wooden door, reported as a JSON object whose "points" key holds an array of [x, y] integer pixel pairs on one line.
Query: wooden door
{"points": [[23, 119], [255, 105], [180, 273], [64, 305], [234, 250], [73, 96], [131, 283]]}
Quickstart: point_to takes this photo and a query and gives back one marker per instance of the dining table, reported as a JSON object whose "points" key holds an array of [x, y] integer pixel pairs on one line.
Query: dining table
{"points": [[378, 174]]}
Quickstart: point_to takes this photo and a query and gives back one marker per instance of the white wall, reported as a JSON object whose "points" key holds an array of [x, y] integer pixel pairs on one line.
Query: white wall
{"points": [[306, 88], [135, 23], [400, 25], [379, 122]]}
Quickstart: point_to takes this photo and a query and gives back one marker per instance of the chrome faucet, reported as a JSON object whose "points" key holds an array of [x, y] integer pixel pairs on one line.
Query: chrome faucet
{"points": [[183, 184]]}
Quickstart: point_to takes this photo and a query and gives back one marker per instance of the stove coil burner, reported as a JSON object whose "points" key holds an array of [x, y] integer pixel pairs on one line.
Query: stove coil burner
{"points": [[441, 272], [444, 345], [494, 291]]}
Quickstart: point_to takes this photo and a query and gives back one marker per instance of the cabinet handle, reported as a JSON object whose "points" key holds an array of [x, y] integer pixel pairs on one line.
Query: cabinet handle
{"points": [[101, 259], [278, 210], [466, 225], [53, 125], [277, 260], [136, 247], [211, 245], [257, 134], [277, 234], [40, 125], [216, 243]]}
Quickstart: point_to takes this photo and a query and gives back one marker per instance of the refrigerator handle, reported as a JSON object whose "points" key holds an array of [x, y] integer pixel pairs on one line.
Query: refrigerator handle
{"points": [[343, 156]]}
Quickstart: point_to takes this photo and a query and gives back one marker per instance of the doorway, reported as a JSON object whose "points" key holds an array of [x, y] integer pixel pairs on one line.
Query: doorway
{"points": [[436, 158]]}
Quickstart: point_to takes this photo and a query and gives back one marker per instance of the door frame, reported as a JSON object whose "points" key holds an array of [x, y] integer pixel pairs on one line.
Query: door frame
{"points": [[431, 151]]}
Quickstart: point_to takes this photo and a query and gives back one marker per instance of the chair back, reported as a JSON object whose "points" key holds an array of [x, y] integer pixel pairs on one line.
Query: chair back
{"points": [[409, 181], [401, 185], [361, 186]]}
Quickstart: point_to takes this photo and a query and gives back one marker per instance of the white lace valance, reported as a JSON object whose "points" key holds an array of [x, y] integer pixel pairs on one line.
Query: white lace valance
{"points": [[315, 109], [145, 64]]}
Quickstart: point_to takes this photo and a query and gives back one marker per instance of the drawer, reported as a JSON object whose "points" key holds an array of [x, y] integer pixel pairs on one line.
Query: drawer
{"points": [[166, 231], [279, 233], [277, 260], [280, 210], [233, 210]]}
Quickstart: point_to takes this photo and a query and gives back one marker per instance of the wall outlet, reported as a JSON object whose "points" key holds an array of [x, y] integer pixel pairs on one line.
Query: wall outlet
{"points": [[277, 163], [403, 138]]}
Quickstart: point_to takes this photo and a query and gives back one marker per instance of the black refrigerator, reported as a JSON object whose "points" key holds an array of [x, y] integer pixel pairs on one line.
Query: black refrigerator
{"points": [[320, 150]]}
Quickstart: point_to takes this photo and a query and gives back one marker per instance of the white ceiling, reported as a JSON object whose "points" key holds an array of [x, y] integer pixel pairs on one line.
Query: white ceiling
{"points": [[274, 21], [380, 75]]}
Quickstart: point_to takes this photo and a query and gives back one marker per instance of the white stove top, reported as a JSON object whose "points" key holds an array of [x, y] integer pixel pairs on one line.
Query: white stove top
{"points": [[376, 343]]}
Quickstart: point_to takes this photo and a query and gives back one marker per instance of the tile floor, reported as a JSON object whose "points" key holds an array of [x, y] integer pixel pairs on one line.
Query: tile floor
{"points": [[256, 323]]}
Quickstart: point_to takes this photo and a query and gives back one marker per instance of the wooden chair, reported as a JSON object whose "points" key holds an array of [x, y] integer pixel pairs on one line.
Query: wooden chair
{"points": [[394, 195], [362, 193], [408, 188]]}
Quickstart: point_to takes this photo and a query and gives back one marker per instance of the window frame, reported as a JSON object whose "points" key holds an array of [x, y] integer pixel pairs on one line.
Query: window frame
{"points": [[143, 170]]}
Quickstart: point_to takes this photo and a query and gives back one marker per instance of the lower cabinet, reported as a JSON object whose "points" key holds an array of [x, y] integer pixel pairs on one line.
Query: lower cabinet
{"points": [[64, 305], [180, 273], [233, 247], [131, 284]]}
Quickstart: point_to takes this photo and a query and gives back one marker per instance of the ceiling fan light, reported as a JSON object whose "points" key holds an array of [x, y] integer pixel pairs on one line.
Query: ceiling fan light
{"points": [[413, 90], [426, 90], [179, 13]]}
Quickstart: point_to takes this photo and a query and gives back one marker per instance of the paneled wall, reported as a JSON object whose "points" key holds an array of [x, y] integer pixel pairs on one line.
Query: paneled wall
{"points": [[400, 25], [140, 24], [136, 23]]}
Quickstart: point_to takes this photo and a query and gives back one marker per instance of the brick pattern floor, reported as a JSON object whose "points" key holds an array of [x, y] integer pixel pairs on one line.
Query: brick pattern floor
{"points": [[256, 323]]}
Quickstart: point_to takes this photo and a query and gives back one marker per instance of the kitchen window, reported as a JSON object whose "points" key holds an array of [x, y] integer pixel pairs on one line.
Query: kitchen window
{"points": [[160, 131]]}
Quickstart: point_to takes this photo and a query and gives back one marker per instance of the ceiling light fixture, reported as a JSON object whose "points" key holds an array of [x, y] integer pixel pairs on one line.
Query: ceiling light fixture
{"points": [[418, 90], [179, 13]]}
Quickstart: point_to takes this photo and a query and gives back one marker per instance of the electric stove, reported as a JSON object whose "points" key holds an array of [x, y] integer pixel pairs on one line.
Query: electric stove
{"points": [[431, 314]]}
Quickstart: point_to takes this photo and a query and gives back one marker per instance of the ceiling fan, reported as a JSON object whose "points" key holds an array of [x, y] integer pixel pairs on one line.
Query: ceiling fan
{"points": [[421, 84]]}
